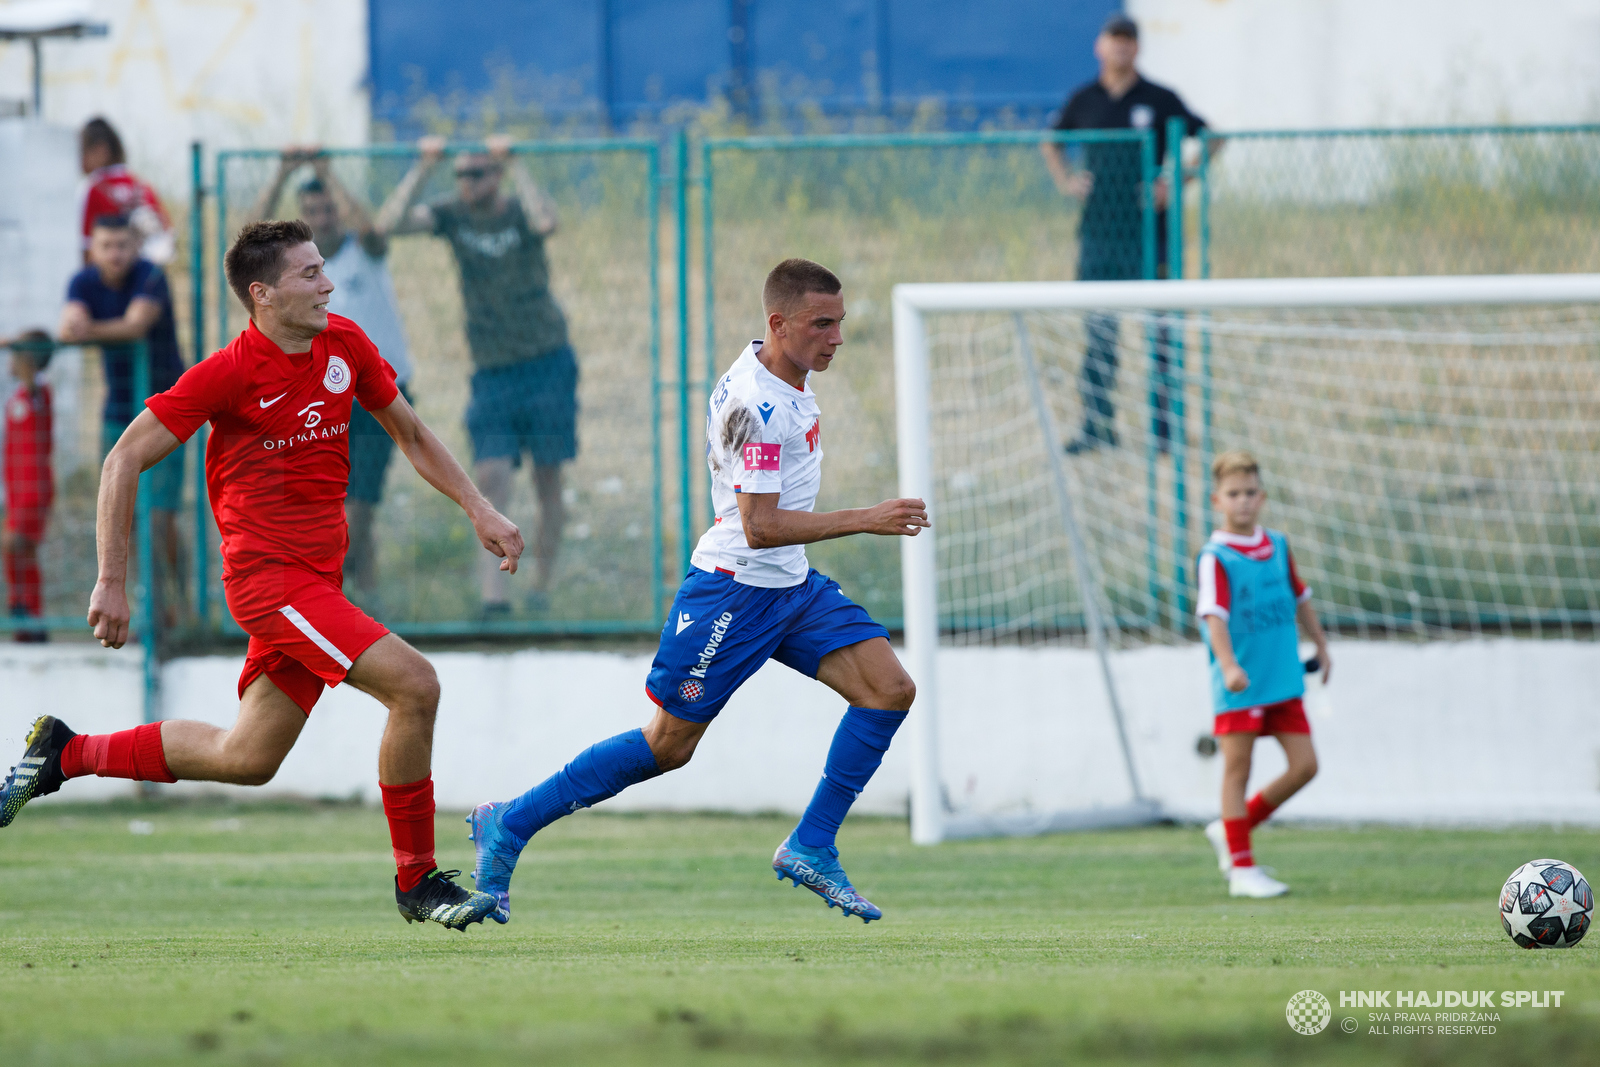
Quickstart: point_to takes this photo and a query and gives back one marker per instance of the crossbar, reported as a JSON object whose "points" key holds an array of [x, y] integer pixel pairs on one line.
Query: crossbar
{"points": [[1199, 295]]}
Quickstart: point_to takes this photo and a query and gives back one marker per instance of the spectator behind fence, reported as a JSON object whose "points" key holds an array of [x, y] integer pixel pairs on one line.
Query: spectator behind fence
{"points": [[118, 299], [30, 489], [1111, 228], [525, 377], [109, 189], [354, 253]]}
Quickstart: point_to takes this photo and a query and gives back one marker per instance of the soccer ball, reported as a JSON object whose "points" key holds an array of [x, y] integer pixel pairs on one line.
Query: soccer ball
{"points": [[1546, 904]]}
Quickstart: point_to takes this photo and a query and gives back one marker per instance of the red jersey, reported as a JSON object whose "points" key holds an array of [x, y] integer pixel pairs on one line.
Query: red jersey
{"points": [[27, 458], [278, 461], [113, 191]]}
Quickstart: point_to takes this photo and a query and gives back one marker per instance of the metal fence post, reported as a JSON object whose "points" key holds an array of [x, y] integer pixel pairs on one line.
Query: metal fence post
{"points": [[1177, 381], [681, 209], [146, 590], [1148, 167], [197, 267], [653, 178], [706, 231], [1207, 448]]}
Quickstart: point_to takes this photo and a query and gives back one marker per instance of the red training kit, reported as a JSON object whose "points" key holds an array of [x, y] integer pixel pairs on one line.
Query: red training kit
{"points": [[277, 465]]}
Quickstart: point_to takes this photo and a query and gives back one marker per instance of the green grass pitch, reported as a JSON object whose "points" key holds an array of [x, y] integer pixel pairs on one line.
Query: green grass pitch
{"points": [[267, 935]]}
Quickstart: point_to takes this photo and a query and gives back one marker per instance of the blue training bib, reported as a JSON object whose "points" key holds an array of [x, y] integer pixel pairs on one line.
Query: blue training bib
{"points": [[1261, 622]]}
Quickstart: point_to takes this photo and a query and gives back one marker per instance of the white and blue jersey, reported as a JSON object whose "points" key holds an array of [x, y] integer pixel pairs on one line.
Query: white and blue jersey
{"points": [[739, 606], [1251, 584]]}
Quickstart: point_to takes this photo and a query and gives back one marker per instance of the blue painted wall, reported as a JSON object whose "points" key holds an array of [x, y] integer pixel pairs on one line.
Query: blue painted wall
{"points": [[620, 61]]}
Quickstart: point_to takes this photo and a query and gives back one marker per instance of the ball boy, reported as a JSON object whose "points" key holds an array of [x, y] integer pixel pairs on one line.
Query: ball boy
{"points": [[1250, 601]]}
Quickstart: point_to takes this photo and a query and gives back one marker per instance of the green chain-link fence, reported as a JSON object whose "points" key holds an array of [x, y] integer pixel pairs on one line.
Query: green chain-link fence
{"points": [[886, 209], [1336, 203], [526, 292]]}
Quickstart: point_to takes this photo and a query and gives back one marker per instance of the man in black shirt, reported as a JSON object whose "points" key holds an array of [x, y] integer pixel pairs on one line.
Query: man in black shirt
{"points": [[1111, 229], [525, 374]]}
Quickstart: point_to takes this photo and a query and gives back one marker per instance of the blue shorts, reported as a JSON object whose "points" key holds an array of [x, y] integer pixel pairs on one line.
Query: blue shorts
{"points": [[720, 632], [163, 482], [529, 407]]}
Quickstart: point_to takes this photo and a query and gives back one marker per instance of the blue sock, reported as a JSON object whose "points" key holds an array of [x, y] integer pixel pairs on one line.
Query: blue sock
{"points": [[598, 773], [858, 747]]}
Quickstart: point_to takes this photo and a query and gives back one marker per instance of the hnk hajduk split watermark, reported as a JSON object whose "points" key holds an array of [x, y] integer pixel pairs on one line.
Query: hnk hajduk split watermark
{"points": [[1464, 1012]]}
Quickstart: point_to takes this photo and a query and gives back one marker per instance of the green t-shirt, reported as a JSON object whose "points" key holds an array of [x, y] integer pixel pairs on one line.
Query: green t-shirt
{"points": [[505, 283]]}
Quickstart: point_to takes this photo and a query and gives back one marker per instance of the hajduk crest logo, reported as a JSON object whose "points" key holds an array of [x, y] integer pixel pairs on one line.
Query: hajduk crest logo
{"points": [[690, 691], [336, 379], [1309, 1012]]}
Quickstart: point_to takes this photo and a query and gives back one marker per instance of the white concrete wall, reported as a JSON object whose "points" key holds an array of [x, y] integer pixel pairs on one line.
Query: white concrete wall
{"points": [[1268, 64], [1479, 732], [232, 73]]}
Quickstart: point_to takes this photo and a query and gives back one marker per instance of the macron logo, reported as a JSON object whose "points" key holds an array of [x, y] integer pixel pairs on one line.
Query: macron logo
{"points": [[684, 622], [274, 400]]}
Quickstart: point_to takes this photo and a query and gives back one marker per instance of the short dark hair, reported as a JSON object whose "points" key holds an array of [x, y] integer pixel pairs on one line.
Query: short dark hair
{"points": [[37, 345], [791, 280], [257, 255], [97, 131], [111, 222]]}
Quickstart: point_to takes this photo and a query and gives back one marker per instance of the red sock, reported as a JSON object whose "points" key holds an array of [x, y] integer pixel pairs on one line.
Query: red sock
{"points": [[1258, 810], [134, 753], [410, 812], [1238, 831]]}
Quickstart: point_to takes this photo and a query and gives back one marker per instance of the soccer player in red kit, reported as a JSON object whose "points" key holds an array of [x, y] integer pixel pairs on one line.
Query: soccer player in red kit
{"points": [[278, 399]]}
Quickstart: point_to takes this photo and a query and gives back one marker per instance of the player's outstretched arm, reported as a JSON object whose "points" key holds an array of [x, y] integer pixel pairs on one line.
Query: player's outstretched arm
{"points": [[434, 462], [768, 526], [142, 445]]}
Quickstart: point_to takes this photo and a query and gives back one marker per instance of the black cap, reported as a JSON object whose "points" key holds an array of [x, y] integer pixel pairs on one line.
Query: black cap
{"points": [[1120, 25]]}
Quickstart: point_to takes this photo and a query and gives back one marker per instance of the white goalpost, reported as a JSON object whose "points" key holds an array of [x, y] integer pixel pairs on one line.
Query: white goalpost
{"points": [[1436, 438]]}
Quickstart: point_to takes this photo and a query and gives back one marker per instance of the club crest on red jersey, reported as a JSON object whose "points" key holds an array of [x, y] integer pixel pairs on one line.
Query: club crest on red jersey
{"points": [[336, 379]]}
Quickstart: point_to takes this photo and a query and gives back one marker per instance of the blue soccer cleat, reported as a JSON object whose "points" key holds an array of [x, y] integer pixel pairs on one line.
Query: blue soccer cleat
{"points": [[498, 849], [818, 870]]}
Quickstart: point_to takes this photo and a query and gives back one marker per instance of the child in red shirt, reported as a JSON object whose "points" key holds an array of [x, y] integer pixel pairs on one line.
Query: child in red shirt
{"points": [[28, 483]]}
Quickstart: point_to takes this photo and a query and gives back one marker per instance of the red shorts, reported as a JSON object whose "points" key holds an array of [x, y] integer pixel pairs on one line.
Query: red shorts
{"points": [[28, 520], [304, 634], [1284, 717]]}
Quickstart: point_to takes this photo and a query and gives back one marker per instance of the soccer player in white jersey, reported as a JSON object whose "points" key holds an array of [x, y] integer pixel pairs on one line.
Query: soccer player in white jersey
{"points": [[750, 596]]}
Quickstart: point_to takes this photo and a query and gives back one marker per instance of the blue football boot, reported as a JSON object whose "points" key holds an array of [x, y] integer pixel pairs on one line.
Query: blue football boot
{"points": [[498, 849], [818, 870]]}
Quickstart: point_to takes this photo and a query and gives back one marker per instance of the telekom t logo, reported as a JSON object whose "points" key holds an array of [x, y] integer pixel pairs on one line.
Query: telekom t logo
{"points": [[759, 456]]}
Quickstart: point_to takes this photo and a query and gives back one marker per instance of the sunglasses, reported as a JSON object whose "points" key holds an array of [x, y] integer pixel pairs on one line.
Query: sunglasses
{"points": [[473, 174]]}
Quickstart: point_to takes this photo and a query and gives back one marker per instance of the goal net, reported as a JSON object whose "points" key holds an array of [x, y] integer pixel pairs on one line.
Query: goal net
{"points": [[1432, 445]]}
